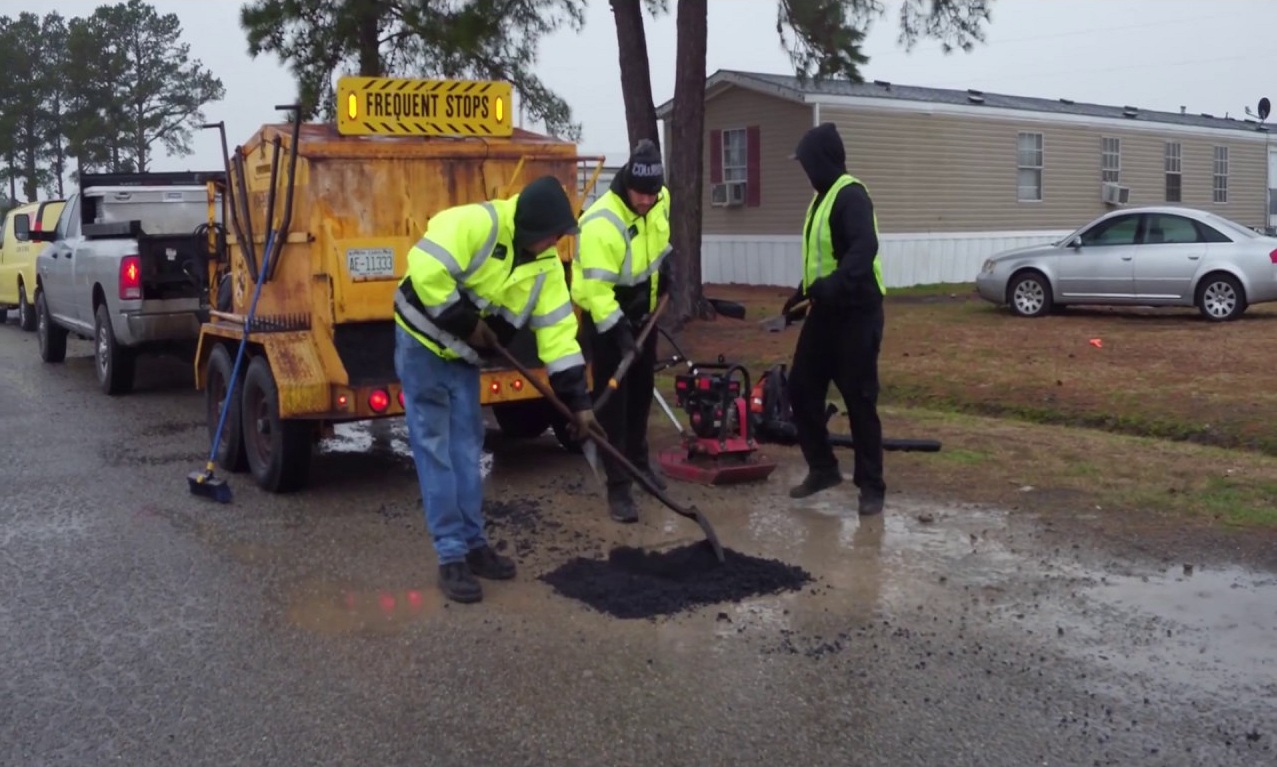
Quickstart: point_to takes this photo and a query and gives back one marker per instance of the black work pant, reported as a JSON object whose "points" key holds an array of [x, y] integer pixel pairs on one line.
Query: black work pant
{"points": [[624, 416], [841, 349]]}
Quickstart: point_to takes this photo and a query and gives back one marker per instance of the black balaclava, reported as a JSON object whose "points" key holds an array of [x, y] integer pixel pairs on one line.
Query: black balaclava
{"points": [[542, 210], [643, 172], [821, 153]]}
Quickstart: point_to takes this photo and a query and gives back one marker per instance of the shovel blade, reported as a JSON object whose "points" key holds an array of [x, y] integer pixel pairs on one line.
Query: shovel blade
{"points": [[591, 453]]}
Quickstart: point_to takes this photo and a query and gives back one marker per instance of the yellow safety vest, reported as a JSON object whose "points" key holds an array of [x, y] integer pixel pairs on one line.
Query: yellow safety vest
{"points": [[469, 250], [618, 248], [818, 238]]}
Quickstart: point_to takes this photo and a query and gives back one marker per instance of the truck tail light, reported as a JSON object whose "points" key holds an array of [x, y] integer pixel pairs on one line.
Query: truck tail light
{"points": [[1272, 257], [130, 277]]}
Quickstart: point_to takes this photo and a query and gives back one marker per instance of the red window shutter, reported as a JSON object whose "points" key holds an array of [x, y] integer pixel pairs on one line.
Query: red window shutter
{"points": [[715, 156], [753, 168]]}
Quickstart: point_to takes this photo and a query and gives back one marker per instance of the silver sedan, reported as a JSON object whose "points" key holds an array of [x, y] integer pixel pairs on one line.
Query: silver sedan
{"points": [[1151, 256]]}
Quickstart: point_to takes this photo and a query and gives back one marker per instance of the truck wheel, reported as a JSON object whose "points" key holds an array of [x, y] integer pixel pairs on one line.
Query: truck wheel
{"points": [[114, 363], [26, 312], [524, 419], [230, 454], [52, 338], [278, 450]]}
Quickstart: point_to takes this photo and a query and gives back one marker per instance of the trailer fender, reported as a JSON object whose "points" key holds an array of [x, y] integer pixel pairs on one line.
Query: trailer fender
{"points": [[304, 388]]}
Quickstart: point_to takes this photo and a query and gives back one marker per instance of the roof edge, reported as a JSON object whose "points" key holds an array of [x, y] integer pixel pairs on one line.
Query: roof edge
{"points": [[747, 80]]}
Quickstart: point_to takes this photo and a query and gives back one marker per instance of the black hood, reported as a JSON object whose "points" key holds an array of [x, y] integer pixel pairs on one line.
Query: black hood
{"points": [[542, 210], [822, 156]]}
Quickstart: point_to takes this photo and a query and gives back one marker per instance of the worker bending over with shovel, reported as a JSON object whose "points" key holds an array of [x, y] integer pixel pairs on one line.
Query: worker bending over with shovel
{"points": [[480, 272], [617, 278], [842, 279]]}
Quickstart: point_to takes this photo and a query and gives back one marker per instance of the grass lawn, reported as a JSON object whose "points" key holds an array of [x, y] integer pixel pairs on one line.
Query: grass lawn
{"points": [[1155, 410]]}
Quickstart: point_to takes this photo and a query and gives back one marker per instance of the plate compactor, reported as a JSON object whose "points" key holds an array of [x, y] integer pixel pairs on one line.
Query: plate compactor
{"points": [[730, 420]]}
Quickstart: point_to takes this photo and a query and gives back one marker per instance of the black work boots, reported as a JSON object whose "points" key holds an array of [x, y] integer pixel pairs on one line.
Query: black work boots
{"points": [[815, 481], [870, 502], [457, 579], [620, 504]]}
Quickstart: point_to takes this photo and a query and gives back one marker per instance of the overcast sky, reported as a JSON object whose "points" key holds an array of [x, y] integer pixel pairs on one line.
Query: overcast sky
{"points": [[1208, 55]]}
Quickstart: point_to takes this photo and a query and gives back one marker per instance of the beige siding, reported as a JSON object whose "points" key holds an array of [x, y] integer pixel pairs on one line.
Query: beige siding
{"points": [[785, 190], [952, 173]]}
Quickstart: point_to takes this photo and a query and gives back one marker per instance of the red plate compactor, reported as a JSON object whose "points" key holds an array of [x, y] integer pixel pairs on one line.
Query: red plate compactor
{"points": [[730, 419]]}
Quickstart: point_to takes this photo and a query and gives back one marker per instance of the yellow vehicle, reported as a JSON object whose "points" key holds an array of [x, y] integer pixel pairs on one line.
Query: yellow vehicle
{"points": [[17, 256], [354, 201]]}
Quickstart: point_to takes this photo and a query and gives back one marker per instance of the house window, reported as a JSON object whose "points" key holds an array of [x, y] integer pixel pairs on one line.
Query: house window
{"points": [[1220, 183], [1174, 172], [735, 167], [1111, 160], [1029, 167], [735, 155]]}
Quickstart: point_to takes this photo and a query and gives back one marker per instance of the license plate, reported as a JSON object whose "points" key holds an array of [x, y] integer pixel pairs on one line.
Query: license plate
{"points": [[370, 263]]}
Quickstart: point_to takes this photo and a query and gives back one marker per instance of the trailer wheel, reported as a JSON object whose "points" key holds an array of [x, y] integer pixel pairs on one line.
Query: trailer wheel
{"points": [[278, 449], [230, 454], [52, 338], [114, 363], [524, 419]]}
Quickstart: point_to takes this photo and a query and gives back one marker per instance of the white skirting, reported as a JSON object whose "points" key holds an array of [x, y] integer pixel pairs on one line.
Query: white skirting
{"points": [[907, 259]]}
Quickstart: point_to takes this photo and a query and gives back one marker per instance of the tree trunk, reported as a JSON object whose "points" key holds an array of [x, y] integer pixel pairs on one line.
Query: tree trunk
{"points": [[636, 77], [686, 158], [369, 39]]}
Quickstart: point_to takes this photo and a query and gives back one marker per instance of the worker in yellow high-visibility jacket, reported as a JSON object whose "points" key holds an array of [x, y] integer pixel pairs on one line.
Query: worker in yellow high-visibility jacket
{"points": [[617, 278], [481, 271]]}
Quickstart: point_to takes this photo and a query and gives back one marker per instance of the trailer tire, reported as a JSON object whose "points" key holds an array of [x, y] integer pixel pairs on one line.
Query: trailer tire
{"points": [[230, 454], [52, 338], [278, 449], [524, 419], [113, 363]]}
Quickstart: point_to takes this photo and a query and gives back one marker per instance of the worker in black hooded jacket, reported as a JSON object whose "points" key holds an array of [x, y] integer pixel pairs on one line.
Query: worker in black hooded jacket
{"points": [[839, 343]]}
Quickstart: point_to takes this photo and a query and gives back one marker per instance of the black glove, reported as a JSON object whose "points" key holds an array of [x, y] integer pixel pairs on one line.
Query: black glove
{"points": [[621, 335], [822, 290]]}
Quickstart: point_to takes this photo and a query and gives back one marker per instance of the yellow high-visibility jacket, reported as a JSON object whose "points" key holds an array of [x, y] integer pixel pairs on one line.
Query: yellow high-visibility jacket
{"points": [[465, 267], [619, 252]]}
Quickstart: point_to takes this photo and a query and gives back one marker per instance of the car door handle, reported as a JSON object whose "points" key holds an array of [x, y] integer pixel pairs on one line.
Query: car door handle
{"points": [[1193, 258], [1126, 258]]}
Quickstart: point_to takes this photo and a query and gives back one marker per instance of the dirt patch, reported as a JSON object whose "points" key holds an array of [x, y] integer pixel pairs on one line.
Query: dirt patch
{"points": [[632, 583]]}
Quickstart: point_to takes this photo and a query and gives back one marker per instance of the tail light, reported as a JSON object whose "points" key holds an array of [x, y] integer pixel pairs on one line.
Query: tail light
{"points": [[1272, 257], [494, 387], [379, 400], [401, 398], [517, 384], [130, 278]]}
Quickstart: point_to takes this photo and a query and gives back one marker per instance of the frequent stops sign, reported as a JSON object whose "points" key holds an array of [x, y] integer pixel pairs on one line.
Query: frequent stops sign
{"points": [[368, 106]]}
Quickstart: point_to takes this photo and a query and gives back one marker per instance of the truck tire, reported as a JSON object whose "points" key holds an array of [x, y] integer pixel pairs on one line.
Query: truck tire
{"points": [[524, 419], [52, 338], [26, 312], [230, 453], [114, 363], [278, 449]]}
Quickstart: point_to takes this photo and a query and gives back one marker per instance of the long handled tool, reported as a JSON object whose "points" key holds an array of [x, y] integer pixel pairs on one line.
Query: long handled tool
{"points": [[600, 439], [205, 483], [614, 382], [781, 321]]}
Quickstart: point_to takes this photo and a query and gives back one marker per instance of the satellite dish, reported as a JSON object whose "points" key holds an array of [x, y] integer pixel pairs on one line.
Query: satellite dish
{"points": [[1264, 106]]}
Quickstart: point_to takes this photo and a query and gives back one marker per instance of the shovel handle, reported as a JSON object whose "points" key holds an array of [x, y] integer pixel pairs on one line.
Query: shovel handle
{"points": [[614, 382], [600, 441]]}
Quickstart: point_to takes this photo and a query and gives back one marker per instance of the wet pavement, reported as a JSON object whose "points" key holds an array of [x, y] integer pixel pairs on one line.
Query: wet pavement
{"points": [[143, 626]]}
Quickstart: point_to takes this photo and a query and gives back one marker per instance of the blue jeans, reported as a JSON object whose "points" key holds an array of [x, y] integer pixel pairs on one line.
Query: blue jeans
{"points": [[445, 427]]}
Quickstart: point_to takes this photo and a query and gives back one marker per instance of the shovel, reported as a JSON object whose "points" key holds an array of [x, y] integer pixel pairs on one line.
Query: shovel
{"points": [[600, 439], [781, 321], [614, 382]]}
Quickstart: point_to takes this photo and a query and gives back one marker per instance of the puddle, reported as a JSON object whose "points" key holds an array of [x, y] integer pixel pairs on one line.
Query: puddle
{"points": [[333, 610], [385, 436]]}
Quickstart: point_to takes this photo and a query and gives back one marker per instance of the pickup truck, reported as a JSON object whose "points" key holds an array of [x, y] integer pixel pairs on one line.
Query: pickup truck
{"points": [[128, 270], [17, 257]]}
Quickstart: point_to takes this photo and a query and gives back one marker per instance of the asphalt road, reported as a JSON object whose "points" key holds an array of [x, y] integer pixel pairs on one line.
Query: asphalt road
{"points": [[140, 625]]}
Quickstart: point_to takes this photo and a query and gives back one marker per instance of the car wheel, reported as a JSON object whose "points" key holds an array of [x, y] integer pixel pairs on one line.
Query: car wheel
{"points": [[1220, 298], [1030, 295], [52, 338], [26, 312], [114, 363]]}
